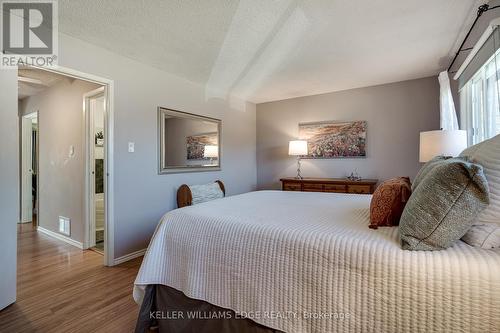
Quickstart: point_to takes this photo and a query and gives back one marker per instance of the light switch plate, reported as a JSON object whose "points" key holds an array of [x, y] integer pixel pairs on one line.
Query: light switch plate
{"points": [[131, 147]]}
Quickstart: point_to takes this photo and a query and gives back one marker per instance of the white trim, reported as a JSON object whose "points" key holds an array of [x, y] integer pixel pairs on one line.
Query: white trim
{"points": [[484, 37], [130, 256], [60, 237], [31, 115], [108, 151]]}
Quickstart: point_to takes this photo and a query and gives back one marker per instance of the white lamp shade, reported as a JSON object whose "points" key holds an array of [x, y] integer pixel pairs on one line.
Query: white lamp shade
{"points": [[447, 143], [297, 148], [211, 151]]}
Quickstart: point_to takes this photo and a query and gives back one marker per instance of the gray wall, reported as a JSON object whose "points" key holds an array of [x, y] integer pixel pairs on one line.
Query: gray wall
{"points": [[9, 188], [61, 177], [396, 114], [141, 195]]}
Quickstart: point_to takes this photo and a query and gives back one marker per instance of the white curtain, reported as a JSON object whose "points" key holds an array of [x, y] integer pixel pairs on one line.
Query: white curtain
{"points": [[449, 120]]}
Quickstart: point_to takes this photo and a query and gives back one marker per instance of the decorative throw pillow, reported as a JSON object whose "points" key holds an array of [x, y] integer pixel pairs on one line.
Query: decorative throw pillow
{"points": [[428, 167], [388, 202], [486, 236], [207, 192], [486, 227], [444, 205]]}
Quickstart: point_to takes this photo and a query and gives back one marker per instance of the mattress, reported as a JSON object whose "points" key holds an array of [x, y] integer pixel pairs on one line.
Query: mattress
{"points": [[307, 262]]}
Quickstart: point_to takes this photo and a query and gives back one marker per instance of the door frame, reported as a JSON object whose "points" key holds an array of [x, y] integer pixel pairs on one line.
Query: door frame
{"points": [[108, 86], [89, 240], [30, 116]]}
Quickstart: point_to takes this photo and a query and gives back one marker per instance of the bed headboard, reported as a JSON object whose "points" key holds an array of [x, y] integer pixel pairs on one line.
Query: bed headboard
{"points": [[185, 196]]}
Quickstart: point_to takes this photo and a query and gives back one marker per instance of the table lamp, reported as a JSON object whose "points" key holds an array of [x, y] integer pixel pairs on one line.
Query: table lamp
{"points": [[297, 148], [446, 143]]}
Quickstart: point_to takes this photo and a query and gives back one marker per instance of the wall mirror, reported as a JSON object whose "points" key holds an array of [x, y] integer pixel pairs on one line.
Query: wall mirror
{"points": [[187, 142]]}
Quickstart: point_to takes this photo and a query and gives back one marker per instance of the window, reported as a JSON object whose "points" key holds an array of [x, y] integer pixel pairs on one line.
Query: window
{"points": [[479, 105]]}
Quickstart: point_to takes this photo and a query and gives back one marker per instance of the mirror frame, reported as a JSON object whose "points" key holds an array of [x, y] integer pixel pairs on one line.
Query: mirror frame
{"points": [[162, 168]]}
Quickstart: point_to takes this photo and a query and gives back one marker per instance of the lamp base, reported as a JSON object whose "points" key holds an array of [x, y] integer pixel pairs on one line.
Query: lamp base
{"points": [[299, 176]]}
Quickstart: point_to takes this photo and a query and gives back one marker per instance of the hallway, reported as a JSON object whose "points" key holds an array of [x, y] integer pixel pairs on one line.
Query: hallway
{"points": [[61, 288]]}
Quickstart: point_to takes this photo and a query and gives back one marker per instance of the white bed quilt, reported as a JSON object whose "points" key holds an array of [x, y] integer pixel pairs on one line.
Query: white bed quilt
{"points": [[307, 262]]}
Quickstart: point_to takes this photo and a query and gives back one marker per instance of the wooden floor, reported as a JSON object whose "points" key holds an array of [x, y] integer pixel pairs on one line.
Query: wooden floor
{"points": [[61, 288]]}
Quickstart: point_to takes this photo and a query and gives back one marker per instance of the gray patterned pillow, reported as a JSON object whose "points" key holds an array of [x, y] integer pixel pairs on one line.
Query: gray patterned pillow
{"points": [[444, 205], [428, 167]]}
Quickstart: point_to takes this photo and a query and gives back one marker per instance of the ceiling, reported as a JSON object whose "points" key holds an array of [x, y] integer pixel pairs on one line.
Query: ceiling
{"points": [[265, 50], [31, 81]]}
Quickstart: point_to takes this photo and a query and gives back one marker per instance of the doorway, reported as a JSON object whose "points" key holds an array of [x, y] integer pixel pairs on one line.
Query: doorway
{"points": [[71, 157], [29, 167]]}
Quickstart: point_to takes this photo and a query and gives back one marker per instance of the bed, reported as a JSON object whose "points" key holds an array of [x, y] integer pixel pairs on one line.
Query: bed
{"points": [[307, 262]]}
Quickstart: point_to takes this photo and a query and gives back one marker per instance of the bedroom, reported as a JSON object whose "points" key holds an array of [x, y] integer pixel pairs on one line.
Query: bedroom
{"points": [[266, 70]]}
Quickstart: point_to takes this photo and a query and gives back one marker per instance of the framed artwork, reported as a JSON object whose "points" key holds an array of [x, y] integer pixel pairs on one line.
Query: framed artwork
{"points": [[331, 139], [196, 145]]}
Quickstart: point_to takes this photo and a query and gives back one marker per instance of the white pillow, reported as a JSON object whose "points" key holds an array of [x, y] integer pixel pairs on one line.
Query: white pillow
{"points": [[486, 236], [487, 154], [485, 231]]}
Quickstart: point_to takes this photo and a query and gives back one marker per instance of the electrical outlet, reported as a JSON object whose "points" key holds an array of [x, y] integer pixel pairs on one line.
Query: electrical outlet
{"points": [[131, 147], [64, 225]]}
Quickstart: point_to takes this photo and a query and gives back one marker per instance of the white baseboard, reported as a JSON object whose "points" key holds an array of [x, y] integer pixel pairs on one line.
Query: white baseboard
{"points": [[129, 256], [61, 237]]}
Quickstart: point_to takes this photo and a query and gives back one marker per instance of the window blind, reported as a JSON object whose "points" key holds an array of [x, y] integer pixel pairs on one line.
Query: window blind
{"points": [[479, 56]]}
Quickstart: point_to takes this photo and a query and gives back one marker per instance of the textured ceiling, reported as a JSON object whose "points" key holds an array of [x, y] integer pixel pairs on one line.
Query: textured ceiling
{"points": [[34, 81], [265, 50]]}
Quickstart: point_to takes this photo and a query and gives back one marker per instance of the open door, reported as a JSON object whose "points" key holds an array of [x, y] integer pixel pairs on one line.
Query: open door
{"points": [[27, 162], [95, 112]]}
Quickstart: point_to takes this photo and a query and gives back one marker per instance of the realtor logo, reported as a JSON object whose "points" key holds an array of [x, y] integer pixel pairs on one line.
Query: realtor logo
{"points": [[29, 33]]}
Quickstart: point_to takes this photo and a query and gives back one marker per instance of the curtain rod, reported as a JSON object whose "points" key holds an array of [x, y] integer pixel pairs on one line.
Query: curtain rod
{"points": [[480, 11]]}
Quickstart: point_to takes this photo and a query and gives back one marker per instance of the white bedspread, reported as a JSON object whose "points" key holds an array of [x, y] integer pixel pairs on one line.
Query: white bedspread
{"points": [[279, 257]]}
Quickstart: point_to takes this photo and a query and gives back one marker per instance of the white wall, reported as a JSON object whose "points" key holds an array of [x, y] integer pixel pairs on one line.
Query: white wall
{"points": [[396, 113], [61, 176], [9, 188], [141, 195]]}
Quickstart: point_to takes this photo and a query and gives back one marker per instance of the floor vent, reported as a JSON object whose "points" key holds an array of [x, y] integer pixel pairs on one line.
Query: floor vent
{"points": [[64, 225]]}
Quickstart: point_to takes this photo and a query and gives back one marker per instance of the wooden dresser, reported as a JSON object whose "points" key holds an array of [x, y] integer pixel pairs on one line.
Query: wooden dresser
{"points": [[336, 185]]}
